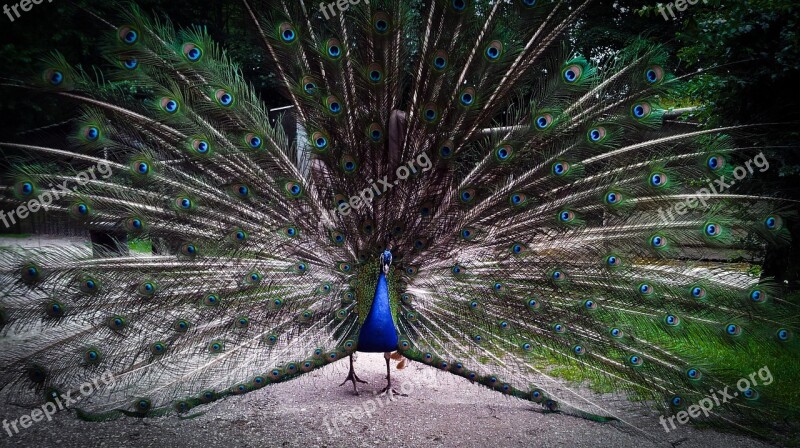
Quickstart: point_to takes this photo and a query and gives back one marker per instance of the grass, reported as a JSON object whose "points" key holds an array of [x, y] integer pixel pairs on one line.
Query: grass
{"points": [[140, 246]]}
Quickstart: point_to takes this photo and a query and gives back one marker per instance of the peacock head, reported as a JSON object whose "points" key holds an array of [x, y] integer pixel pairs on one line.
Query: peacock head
{"points": [[386, 260]]}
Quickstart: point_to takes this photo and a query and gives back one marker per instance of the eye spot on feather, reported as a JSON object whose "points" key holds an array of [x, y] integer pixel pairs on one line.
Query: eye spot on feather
{"points": [[712, 230], [694, 374], [597, 134], [559, 328], [287, 33], [494, 50], [654, 74], [783, 334], [53, 77], [560, 169], [572, 73], [733, 330], [698, 292], [169, 105], [590, 304], [192, 52], [55, 309], [579, 350], [537, 396], [641, 110], [658, 242], [645, 289], [543, 122], [458, 5], [128, 35], [130, 63], [635, 360], [773, 223], [616, 333], [715, 162], [658, 179], [215, 347], [672, 320], [758, 296], [91, 356], [613, 198], [224, 98]]}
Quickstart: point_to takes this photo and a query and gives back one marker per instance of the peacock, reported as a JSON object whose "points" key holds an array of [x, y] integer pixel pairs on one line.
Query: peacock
{"points": [[452, 185]]}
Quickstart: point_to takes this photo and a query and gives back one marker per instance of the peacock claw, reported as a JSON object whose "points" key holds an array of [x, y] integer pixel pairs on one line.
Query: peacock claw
{"points": [[390, 392], [351, 376]]}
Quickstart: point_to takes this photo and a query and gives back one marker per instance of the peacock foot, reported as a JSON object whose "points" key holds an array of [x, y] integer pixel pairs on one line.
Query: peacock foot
{"points": [[351, 376]]}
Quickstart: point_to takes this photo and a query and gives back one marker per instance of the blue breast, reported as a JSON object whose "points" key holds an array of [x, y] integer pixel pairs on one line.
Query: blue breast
{"points": [[378, 335]]}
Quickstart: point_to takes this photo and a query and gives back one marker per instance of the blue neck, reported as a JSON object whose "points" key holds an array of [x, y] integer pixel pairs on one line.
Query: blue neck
{"points": [[378, 334]]}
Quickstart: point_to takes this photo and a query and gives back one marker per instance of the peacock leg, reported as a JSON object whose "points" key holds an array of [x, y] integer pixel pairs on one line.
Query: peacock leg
{"points": [[352, 377], [388, 389]]}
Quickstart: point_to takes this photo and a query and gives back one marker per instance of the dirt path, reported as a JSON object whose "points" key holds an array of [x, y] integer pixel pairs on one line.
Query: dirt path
{"points": [[441, 410]]}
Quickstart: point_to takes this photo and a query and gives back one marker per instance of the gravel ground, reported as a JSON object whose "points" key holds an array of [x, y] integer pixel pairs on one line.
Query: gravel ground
{"points": [[440, 410]]}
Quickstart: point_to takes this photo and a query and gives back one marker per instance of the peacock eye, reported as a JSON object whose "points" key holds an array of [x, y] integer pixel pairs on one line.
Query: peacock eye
{"points": [[616, 333], [467, 97], [572, 73], [543, 121], [596, 134], [128, 34], [694, 374], [440, 60], [192, 52], [579, 350], [503, 153], [53, 77], [224, 98], [590, 305], [658, 242], [645, 289], [773, 223], [672, 320], [254, 141], [635, 360], [459, 5], [733, 330], [613, 198], [90, 133], [566, 216], [130, 63], [287, 33], [560, 168], [169, 105], [467, 196], [783, 335], [715, 163], [518, 199], [494, 50], [658, 179], [333, 105], [698, 292], [712, 229], [758, 296], [654, 74], [201, 146], [641, 110]]}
